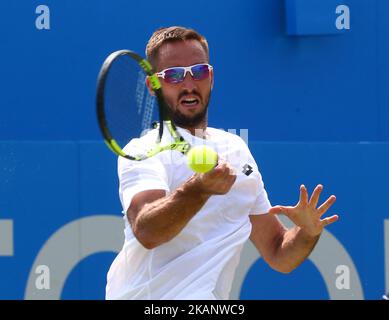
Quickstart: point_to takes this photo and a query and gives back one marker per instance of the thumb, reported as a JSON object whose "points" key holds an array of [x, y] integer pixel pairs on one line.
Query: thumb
{"points": [[277, 210]]}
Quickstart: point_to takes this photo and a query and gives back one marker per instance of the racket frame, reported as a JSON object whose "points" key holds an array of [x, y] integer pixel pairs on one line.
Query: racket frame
{"points": [[179, 143]]}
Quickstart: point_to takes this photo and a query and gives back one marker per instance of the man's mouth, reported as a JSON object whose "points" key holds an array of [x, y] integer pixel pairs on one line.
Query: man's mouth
{"points": [[190, 102]]}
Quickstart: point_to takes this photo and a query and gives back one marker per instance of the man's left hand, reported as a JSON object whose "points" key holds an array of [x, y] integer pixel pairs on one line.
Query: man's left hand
{"points": [[305, 214]]}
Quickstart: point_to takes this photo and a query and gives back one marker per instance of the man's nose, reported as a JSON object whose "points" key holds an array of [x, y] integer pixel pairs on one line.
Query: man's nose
{"points": [[188, 82]]}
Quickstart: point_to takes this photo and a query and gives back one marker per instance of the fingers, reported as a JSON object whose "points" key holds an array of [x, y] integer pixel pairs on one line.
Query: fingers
{"points": [[326, 205], [327, 221], [275, 210], [315, 196], [279, 210], [223, 169], [303, 194], [217, 171], [230, 174], [220, 179]]}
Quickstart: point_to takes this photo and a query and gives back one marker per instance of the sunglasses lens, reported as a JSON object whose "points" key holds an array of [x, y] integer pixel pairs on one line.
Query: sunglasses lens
{"points": [[200, 72], [174, 75]]}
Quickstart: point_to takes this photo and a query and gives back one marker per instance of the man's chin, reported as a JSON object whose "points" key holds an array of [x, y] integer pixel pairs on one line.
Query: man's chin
{"points": [[183, 120]]}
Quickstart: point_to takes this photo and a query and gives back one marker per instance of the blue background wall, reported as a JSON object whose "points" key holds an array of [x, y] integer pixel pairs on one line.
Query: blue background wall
{"points": [[316, 108]]}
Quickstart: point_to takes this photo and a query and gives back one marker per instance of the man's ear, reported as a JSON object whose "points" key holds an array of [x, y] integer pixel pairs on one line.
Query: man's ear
{"points": [[148, 84]]}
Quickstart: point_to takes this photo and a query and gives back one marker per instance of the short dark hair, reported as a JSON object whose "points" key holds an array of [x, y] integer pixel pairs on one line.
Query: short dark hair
{"points": [[172, 34]]}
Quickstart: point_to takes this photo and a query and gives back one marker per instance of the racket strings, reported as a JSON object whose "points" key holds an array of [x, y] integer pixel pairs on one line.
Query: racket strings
{"points": [[129, 107]]}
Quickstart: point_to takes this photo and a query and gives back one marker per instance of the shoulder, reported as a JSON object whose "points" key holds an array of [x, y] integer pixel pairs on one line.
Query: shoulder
{"points": [[228, 136], [143, 143], [139, 146]]}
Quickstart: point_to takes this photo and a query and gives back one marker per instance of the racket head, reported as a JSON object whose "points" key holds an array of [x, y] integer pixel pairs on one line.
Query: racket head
{"points": [[125, 107]]}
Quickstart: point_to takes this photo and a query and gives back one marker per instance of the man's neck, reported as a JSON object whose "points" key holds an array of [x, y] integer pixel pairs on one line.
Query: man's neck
{"points": [[199, 131]]}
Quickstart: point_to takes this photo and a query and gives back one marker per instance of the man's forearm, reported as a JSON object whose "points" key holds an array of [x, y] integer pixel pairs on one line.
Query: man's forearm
{"points": [[294, 248], [161, 220]]}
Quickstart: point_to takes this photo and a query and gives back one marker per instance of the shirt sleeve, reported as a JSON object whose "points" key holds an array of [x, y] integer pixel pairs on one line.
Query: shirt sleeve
{"points": [[262, 204], [138, 176]]}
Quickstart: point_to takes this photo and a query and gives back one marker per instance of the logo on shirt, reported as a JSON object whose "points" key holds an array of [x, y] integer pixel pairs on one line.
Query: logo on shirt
{"points": [[247, 169]]}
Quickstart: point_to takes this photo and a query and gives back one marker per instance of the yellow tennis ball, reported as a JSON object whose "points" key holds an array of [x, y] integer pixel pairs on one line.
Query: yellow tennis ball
{"points": [[202, 158]]}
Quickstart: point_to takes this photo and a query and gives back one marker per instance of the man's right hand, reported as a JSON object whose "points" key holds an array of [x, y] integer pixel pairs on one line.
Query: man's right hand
{"points": [[217, 181], [156, 218]]}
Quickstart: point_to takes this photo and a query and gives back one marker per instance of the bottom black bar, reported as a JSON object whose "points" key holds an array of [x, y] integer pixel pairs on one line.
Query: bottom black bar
{"points": [[232, 309]]}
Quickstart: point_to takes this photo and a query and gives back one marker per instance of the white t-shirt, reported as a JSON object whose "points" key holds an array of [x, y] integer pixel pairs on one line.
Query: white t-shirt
{"points": [[200, 262]]}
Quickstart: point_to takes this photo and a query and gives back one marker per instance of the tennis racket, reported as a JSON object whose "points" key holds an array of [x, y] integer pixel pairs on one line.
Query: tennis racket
{"points": [[126, 109]]}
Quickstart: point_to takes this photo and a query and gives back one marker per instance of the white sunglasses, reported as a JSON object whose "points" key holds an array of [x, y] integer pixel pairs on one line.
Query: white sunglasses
{"points": [[177, 74]]}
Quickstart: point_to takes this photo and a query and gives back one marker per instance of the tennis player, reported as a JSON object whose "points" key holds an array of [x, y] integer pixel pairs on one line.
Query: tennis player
{"points": [[184, 232]]}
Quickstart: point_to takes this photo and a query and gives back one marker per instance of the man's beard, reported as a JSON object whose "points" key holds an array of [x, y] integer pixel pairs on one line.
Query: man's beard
{"points": [[182, 120]]}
